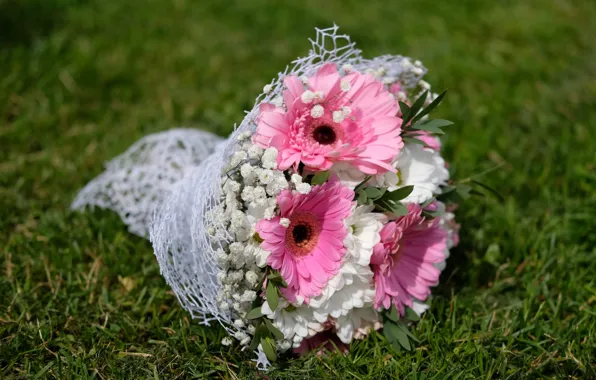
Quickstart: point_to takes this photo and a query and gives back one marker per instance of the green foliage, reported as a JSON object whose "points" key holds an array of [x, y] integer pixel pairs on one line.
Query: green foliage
{"points": [[319, 178], [80, 81]]}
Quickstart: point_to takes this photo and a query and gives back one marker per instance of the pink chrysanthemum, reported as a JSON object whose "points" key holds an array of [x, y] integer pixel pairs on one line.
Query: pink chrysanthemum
{"points": [[352, 119], [403, 261], [310, 250]]}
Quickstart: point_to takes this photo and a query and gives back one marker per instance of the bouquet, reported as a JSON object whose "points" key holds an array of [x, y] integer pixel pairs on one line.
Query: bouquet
{"points": [[324, 217]]}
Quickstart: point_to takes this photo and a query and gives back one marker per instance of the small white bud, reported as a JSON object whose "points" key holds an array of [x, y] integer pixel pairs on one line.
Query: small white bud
{"points": [[338, 116], [267, 88], [303, 188], [345, 85], [317, 111], [227, 341], [284, 222]]}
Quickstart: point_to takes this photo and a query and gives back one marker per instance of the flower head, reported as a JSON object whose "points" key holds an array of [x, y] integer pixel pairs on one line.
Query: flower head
{"points": [[335, 119], [310, 250], [403, 262]]}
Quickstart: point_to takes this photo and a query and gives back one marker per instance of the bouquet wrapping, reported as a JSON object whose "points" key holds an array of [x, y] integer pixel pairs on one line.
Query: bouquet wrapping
{"points": [[321, 219]]}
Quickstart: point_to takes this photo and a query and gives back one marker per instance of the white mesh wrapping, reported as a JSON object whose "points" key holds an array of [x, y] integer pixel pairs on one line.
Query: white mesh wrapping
{"points": [[133, 187], [135, 182]]}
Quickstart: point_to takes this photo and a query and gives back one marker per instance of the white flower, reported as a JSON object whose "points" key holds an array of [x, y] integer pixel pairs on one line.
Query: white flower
{"points": [[348, 175], [251, 278], [237, 158], [424, 85], [421, 167], [248, 173], [259, 193], [356, 324], [285, 222], [267, 88], [236, 248], [265, 176], [296, 323], [303, 188], [296, 178], [239, 323], [307, 97], [417, 71], [261, 256], [226, 341], [317, 111], [269, 159], [419, 307], [351, 288], [364, 227], [345, 85], [240, 335], [338, 116], [249, 296], [347, 68], [255, 152]]}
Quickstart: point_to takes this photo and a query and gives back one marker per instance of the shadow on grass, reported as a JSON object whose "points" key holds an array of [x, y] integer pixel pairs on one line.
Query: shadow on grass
{"points": [[23, 21]]}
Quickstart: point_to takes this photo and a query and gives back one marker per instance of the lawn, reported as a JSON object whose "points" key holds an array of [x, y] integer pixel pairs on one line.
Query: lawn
{"points": [[81, 80]]}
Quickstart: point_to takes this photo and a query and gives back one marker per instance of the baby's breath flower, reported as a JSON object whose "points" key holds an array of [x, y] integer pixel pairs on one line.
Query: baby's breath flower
{"points": [[317, 111], [267, 88], [237, 158], [303, 188], [226, 341], [251, 277], [338, 116], [255, 152], [285, 222]]}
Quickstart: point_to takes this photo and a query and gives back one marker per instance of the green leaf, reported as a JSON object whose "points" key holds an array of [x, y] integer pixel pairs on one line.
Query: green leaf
{"points": [[407, 331], [399, 194], [396, 336], [362, 198], [395, 207], [426, 203], [260, 332], [418, 104], [272, 295], [430, 107], [433, 126], [254, 313], [392, 314], [489, 189], [276, 278], [463, 190], [405, 110], [413, 140], [269, 349], [319, 178], [274, 330], [411, 315], [373, 193]]}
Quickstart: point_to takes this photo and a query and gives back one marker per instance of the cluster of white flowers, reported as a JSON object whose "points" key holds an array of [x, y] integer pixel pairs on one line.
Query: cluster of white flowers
{"points": [[251, 183]]}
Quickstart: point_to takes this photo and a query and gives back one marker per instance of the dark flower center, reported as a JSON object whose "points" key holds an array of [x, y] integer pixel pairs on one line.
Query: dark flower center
{"points": [[324, 135], [301, 234]]}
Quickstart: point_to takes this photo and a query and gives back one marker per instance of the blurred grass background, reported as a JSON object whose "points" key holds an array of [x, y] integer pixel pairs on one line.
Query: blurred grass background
{"points": [[81, 80]]}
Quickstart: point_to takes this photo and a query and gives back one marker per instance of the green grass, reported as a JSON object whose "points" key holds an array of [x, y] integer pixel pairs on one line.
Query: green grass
{"points": [[80, 81]]}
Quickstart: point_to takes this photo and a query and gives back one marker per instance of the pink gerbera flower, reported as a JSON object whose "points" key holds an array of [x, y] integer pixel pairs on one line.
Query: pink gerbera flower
{"points": [[403, 261], [309, 251], [333, 119]]}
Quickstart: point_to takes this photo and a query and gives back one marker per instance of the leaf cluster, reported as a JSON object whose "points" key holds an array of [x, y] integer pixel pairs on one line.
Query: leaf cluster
{"points": [[383, 200]]}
